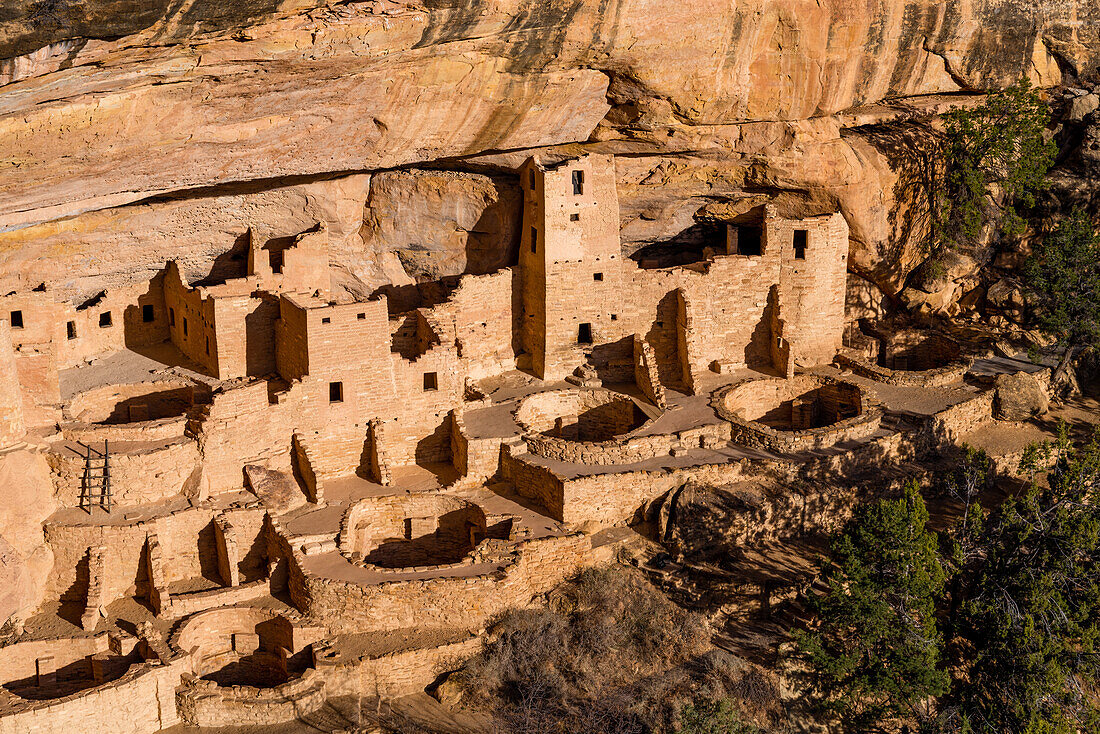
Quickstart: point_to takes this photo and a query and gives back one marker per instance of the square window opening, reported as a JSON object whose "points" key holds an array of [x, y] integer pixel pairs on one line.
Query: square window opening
{"points": [[614, 317], [326, 320], [70, 329], [17, 319], [336, 392], [597, 276], [574, 217], [431, 381], [361, 316], [800, 241], [584, 334], [105, 320], [578, 183], [148, 313]]}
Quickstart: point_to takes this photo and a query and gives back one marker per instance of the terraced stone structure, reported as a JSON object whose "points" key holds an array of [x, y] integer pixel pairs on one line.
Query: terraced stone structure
{"points": [[319, 490]]}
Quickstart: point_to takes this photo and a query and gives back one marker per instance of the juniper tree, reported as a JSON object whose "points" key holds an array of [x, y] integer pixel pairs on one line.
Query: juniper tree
{"points": [[1062, 279], [876, 653], [995, 157]]}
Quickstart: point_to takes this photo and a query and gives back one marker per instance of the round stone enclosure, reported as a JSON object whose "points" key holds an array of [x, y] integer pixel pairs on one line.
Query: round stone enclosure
{"points": [[133, 403], [917, 351], [911, 359], [580, 415], [799, 413], [243, 646], [409, 531]]}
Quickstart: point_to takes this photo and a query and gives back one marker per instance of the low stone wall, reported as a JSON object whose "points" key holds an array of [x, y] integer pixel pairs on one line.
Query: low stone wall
{"points": [[478, 460], [743, 403], [133, 403], [396, 520], [163, 429], [937, 377], [392, 675], [141, 701], [533, 481], [462, 602], [616, 499], [205, 703], [960, 419], [626, 450], [140, 474]]}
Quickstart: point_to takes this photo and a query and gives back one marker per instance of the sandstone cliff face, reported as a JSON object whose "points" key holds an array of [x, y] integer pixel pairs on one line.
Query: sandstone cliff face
{"points": [[25, 560], [132, 132]]}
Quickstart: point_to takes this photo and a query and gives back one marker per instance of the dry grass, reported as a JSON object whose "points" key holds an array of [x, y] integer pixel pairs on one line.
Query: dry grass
{"points": [[609, 655]]}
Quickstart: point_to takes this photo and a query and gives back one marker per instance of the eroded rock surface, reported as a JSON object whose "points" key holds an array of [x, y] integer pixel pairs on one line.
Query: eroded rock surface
{"points": [[265, 113]]}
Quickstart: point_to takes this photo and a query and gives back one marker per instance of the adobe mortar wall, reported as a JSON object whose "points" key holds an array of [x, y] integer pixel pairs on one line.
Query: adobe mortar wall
{"points": [[138, 476], [141, 701], [459, 603]]}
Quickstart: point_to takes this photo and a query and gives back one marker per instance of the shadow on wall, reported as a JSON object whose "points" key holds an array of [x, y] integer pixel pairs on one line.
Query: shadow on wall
{"points": [[688, 247], [436, 448], [614, 361], [758, 352], [663, 335], [151, 406], [456, 535], [493, 242], [208, 554], [259, 335], [229, 265], [74, 677]]}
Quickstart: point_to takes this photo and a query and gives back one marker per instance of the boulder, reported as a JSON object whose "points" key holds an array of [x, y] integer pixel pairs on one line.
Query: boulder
{"points": [[1083, 106], [1007, 298], [1019, 396]]}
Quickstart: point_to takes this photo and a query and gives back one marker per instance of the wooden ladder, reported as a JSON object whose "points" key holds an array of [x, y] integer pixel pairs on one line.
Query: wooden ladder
{"points": [[95, 485]]}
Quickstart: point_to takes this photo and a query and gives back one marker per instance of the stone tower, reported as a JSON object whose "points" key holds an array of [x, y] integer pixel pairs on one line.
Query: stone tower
{"points": [[571, 264]]}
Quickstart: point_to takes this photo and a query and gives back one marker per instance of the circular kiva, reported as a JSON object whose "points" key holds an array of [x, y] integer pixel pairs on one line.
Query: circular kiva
{"points": [[912, 359], [796, 414], [412, 532]]}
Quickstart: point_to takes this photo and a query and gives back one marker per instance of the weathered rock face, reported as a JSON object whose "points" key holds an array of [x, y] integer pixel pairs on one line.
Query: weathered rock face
{"points": [[264, 112], [25, 559], [1019, 396]]}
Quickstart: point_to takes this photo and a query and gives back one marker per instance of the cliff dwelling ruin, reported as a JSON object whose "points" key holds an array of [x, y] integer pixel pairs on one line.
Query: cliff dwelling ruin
{"points": [[258, 475]]}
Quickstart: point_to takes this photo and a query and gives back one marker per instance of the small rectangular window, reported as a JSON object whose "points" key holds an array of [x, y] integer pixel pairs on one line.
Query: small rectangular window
{"points": [[105, 320], [614, 317], [574, 217], [17, 319], [800, 238], [336, 392], [208, 346], [148, 313], [171, 317], [534, 239], [584, 334], [578, 183], [70, 329], [185, 326], [431, 381], [326, 320], [597, 276], [361, 317]]}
